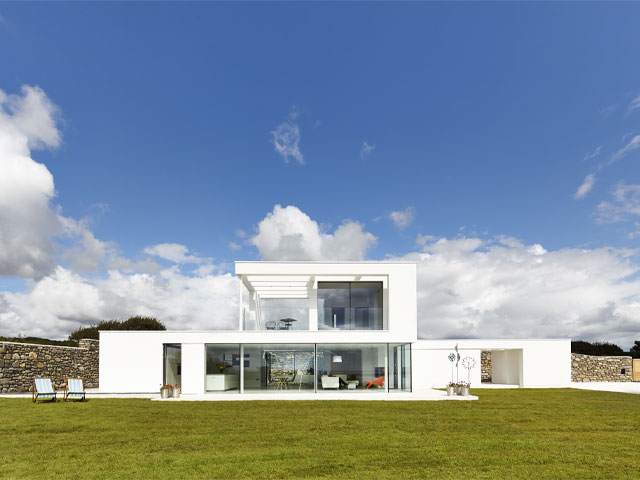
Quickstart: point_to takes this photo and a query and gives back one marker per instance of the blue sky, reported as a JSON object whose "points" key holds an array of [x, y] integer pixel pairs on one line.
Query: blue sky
{"points": [[480, 115]]}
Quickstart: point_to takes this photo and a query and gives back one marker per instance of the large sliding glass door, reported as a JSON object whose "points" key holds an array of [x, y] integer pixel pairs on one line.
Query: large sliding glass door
{"points": [[278, 367], [400, 367], [172, 364], [351, 367], [350, 306]]}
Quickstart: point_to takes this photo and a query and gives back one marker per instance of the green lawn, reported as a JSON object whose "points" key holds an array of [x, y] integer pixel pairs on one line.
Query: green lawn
{"points": [[507, 433]]}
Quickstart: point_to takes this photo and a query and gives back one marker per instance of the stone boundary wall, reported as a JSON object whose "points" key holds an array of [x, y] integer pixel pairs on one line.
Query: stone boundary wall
{"points": [[485, 366], [20, 363], [589, 368]]}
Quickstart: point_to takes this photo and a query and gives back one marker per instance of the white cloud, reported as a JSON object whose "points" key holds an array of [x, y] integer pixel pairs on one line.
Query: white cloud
{"points": [[624, 206], [586, 187], [173, 252], [633, 144], [366, 149], [402, 218], [593, 154], [286, 139], [470, 287], [287, 233], [235, 246], [241, 233], [64, 301], [28, 219], [635, 103]]}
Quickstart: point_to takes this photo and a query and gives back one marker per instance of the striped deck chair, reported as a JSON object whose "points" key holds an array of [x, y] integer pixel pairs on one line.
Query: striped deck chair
{"points": [[74, 389], [43, 390]]}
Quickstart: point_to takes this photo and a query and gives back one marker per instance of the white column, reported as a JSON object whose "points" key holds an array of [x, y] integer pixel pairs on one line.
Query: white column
{"points": [[193, 368]]}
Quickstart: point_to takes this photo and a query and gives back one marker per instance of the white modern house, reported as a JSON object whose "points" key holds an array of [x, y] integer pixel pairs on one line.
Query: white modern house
{"points": [[319, 327]]}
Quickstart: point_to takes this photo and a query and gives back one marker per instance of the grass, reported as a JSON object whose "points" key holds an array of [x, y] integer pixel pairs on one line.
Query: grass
{"points": [[507, 433]]}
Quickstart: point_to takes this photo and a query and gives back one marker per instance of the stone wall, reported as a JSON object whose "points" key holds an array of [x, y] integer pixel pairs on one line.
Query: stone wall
{"points": [[485, 366], [20, 363], [588, 368]]}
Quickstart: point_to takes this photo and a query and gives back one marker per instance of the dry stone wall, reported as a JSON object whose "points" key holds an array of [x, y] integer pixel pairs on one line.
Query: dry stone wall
{"points": [[485, 366], [20, 363], [588, 368]]}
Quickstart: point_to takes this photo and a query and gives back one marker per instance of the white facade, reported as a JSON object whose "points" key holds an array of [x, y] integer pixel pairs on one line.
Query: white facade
{"points": [[375, 338]]}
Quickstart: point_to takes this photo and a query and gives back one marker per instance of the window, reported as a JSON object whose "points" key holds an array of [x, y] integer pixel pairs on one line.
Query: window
{"points": [[223, 367], [350, 306]]}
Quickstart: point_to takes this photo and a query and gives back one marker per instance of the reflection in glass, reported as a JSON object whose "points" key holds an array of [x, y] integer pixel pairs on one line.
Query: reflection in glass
{"points": [[172, 360], [350, 306], [223, 367], [273, 367], [400, 367], [351, 367]]}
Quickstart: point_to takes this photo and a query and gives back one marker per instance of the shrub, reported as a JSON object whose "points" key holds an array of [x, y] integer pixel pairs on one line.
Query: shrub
{"points": [[133, 323], [596, 348]]}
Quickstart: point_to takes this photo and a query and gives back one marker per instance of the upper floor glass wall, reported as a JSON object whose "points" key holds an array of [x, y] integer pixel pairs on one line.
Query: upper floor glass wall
{"points": [[350, 306]]}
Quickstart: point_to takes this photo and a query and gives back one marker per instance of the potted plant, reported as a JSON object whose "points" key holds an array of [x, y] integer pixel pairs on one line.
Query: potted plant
{"points": [[451, 389], [465, 389], [176, 391], [166, 391]]}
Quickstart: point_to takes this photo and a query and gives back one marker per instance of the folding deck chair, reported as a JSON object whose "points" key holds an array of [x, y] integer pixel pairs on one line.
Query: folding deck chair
{"points": [[74, 389], [43, 390]]}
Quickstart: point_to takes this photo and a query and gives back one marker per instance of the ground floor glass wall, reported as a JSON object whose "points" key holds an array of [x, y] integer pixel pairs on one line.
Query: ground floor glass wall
{"points": [[222, 368], [308, 367]]}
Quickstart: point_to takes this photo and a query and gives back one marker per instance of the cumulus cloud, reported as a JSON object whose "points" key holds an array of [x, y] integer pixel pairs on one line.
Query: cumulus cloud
{"points": [[586, 187], [502, 288], [287, 233], [366, 149], [64, 301], [402, 218], [286, 139], [173, 252], [28, 219], [624, 206]]}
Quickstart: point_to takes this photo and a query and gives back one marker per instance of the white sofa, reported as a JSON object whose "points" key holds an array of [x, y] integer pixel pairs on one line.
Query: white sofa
{"points": [[330, 382]]}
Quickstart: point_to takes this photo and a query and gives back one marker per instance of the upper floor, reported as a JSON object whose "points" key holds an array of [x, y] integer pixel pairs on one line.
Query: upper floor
{"points": [[328, 296]]}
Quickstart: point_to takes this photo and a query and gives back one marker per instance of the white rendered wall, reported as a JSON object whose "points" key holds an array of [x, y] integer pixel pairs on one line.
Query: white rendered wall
{"points": [[530, 362]]}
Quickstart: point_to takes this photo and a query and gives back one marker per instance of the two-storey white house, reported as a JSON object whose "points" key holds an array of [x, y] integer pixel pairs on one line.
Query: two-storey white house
{"points": [[315, 327]]}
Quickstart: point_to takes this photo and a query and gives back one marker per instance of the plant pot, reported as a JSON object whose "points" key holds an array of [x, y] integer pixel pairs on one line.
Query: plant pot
{"points": [[165, 393], [465, 391], [458, 390], [176, 393], [450, 391]]}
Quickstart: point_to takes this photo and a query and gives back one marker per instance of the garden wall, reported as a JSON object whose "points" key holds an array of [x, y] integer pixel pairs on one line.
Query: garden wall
{"points": [[20, 363], [588, 368], [485, 366]]}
